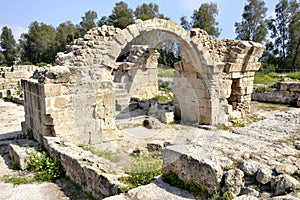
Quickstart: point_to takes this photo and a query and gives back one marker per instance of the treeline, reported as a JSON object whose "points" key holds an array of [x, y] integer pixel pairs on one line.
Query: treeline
{"points": [[280, 33]]}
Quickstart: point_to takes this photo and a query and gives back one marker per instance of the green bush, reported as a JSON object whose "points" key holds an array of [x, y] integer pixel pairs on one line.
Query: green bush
{"points": [[46, 168], [141, 171]]}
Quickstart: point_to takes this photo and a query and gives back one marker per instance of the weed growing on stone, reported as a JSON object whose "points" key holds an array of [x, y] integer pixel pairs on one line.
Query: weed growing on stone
{"points": [[173, 179], [141, 170], [45, 167], [17, 180], [236, 122]]}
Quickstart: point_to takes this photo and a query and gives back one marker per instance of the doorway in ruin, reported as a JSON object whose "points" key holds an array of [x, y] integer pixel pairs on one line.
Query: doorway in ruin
{"points": [[143, 86]]}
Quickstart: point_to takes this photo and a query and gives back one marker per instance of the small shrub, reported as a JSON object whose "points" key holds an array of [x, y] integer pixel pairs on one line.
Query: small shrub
{"points": [[236, 122], [46, 168], [292, 103], [8, 99], [141, 171]]}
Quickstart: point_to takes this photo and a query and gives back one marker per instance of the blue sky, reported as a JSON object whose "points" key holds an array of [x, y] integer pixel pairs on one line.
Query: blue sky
{"points": [[18, 14]]}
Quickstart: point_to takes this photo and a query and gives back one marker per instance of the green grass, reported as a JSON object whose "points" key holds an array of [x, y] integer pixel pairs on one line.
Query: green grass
{"points": [[266, 79], [294, 75], [165, 72], [109, 155], [141, 170], [17, 180]]}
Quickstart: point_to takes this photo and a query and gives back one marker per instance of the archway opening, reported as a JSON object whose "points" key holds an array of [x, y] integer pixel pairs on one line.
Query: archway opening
{"points": [[155, 77]]}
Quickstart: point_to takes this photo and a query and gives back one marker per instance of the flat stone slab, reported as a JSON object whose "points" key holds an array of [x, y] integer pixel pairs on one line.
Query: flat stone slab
{"points": [[36, 191], [156, 190]]}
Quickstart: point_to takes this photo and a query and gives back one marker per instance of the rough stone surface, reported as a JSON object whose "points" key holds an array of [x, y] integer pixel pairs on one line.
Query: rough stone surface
{"points": [[233, 180], [185, 161], [284, 183], [249, 167], [263, 175]]}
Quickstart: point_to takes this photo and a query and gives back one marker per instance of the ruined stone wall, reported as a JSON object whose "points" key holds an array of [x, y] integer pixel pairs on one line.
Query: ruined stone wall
{"points": [[10, 77], [281, 92]]}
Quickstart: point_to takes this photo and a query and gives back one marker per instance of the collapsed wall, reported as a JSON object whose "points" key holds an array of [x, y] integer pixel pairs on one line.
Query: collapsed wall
{"points": [[76, 99]]}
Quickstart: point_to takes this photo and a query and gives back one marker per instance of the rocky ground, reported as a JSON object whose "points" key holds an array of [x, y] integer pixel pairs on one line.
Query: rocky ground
{"points": [[266, 151]]}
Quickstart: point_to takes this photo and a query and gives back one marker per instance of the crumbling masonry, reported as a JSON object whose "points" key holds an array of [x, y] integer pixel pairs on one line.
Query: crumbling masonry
{"points": [[76, 101]]}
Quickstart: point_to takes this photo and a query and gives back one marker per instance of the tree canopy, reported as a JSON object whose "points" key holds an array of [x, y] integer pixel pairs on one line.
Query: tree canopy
{"points": [[121, 15], [285, 33], [204, 18], [8, 46], [254, 25]]}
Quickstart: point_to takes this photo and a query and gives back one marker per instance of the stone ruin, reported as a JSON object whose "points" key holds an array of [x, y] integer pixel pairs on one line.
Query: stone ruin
{"points": [[76, 100]]}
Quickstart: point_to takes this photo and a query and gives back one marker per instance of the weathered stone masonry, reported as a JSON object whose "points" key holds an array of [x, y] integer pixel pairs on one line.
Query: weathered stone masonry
{"points": [[213, 80]]}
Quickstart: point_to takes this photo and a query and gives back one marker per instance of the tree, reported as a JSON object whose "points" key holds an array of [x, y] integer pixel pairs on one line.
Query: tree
{"points": [[88, 21], [148, 11], [2, 59], [254, 25], [285, 33], [204, 18], [103, 21], [66, 33], [184, 23], [294, 36], [121, 16], [8, 45], [38, 45]]}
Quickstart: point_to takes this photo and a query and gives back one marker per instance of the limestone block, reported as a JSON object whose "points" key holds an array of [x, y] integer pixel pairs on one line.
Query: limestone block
{"points": [[62, 102], [52, 90], [18, 155]]}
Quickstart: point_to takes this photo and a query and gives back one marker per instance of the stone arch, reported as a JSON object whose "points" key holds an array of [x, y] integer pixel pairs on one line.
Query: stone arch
{"points": [[84, 89], [192, 72]]}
